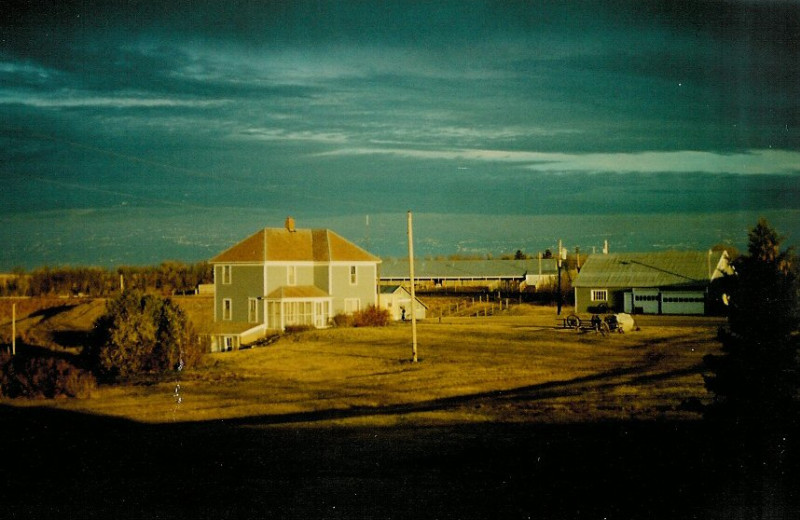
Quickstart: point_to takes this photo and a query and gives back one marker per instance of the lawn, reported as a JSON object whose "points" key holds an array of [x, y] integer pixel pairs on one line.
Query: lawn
{"points": [[504, 417], [512, 368]]}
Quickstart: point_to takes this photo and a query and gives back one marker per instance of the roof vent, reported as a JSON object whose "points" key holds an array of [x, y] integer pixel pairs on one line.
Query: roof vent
{"points": [[290, 224]]}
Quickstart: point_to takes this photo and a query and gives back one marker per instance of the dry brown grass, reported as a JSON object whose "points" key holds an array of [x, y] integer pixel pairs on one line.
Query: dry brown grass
{"points": [[515, 368]]}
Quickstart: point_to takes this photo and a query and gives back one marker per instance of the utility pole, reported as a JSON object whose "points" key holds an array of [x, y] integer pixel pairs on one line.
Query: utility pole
{"points": [[558, 263], [540, 264], [413, 294], [13, 329]]}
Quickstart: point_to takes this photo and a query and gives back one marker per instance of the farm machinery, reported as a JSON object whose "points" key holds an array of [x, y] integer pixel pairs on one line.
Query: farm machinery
{"points": [[602, 324]]}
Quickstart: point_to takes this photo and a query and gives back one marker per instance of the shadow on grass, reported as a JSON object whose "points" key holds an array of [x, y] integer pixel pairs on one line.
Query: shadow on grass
{"points": [[60, 464], [531, 393], [28, 350]]}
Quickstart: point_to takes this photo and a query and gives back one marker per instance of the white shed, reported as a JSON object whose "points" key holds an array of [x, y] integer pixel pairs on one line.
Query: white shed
{"points": [[397, 300]]}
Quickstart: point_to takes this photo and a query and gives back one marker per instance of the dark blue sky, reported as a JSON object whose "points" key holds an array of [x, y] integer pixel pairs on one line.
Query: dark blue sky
{"points": [[328, 109]]}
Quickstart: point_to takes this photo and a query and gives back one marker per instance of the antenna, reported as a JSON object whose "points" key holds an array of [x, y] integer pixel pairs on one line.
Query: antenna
{"points": [[366, 239]]}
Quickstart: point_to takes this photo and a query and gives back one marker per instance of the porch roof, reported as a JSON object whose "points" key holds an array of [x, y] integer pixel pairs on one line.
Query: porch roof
{"points": [[300, 292]]}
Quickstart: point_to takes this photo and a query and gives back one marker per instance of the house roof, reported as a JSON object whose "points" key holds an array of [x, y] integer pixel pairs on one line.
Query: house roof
{"points": [[282, 245], [465, 269], [297, 291], [661, 269]]}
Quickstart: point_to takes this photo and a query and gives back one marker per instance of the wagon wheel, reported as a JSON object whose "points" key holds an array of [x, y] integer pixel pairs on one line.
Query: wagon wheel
{"points": [[573, 321], [603, 328]]}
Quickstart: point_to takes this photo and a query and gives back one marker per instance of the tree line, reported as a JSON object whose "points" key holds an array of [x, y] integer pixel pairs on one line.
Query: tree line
{"points": [[168, 278]]}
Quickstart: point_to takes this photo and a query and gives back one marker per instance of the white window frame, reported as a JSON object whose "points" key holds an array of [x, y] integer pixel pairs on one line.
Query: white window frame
{"points": [[353, 275], [227, 309], [291, 275], [252, 310], [596, 293], [227, 274]]}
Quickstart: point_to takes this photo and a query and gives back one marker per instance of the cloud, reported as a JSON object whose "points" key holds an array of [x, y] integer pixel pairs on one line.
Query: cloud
{"points": [[751, 162], [82, 99], [280, 134]]}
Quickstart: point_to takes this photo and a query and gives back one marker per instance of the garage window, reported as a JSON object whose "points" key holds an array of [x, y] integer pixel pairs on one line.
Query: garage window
{"points": [[599, 295]]}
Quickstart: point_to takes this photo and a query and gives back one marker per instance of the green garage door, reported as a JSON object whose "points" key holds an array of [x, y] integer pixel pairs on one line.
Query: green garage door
{"points": [[683, 302]]}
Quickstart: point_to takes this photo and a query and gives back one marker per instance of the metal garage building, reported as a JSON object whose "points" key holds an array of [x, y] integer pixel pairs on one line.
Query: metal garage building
{"points": [[672, 282]]}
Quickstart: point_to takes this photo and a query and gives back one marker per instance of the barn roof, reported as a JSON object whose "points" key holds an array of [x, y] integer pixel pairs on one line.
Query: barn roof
{"points": [[282, 245], [660, 269], [465, 269]]}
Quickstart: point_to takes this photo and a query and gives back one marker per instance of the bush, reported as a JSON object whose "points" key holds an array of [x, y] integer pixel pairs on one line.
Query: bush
{"points": [[372, 316], [294, 329], [342, 320], [142, 333], [41, 377]]}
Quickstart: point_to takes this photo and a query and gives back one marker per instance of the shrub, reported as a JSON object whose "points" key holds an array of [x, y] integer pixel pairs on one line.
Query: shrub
{"points": [[293, 329], [372, 316], [40, 377], [142, 333], [342, 320]]}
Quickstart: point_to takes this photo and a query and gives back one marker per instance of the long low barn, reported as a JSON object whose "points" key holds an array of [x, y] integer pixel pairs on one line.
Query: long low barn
{"points": [[672, 282], [457, 274]]}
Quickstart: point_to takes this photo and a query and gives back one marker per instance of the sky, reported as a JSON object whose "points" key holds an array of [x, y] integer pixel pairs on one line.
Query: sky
{"points": [[140, 131]]}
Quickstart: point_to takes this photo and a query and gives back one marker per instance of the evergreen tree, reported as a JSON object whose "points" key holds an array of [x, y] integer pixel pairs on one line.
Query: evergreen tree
{"points": [[755, 382]]}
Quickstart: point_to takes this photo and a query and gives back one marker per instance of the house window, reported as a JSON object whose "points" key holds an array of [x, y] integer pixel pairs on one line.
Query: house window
{"points": [[353, 275], [252, 310], [599, 295], [291, 275], [299, 313], [226, 274], [227, 309], [351, 305]]}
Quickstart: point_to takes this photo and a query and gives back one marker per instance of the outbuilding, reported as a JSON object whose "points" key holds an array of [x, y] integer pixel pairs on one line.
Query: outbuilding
{"points": [[456, 275], [397, 300], [670, 282]]}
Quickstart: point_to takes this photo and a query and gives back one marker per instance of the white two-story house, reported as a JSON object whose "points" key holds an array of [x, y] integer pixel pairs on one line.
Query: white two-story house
{"points": [[280, 277]]}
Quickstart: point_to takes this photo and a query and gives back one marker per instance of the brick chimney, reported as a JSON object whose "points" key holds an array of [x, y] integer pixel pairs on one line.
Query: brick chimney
{"points": [[290, 224]]}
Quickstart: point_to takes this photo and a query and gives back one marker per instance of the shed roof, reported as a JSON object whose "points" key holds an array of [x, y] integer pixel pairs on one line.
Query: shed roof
{"points": [[392, 289], [659, 269], [465, 269], [282, 245]]}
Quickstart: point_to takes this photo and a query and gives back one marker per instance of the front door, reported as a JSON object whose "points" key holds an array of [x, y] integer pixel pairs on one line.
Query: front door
{"points": [[320, 314]]}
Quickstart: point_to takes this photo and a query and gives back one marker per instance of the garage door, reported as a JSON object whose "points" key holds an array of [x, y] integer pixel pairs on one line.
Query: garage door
{"points": [[684, 302], [645, 301]]}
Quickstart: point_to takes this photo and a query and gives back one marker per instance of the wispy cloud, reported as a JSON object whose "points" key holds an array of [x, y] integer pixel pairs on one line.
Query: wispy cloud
{"points": [[281, 134], [752, 162], [86, 99]]}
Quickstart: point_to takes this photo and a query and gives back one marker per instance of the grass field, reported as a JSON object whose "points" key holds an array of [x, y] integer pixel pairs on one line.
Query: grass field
{"points": [[513, 368], [504, 417]]}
